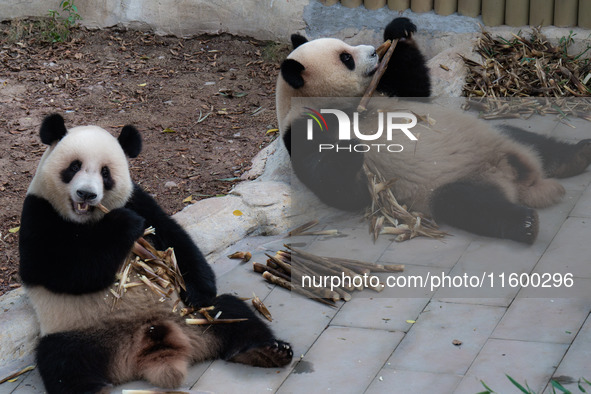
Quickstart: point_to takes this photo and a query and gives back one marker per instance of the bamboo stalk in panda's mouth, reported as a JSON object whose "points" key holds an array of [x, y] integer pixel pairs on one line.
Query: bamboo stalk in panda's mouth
{"points": [[373, 85]]}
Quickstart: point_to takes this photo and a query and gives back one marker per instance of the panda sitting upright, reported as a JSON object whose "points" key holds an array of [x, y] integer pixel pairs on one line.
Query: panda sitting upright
{"points": [[460, 171], [71, 251]]}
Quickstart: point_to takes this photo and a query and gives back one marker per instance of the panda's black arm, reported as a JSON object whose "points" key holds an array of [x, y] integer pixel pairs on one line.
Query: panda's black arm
{"points": [[72, 258], [197, 273], [336, 177], [407, 74]]}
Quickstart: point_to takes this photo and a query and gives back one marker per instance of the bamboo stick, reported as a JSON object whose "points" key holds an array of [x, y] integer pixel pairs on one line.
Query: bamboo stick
{"points": [[541, 12], [351, 3], [493, 12], [376, 77], [260, 268], [374, 4], [517, 12], [421, 5], [585, 14], [399, 5], [446, 7], [469, 8], [565, 13]]}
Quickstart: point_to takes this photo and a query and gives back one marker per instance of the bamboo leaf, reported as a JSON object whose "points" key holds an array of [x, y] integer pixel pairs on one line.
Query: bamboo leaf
{"points": [[557, 385], [520, 387]]}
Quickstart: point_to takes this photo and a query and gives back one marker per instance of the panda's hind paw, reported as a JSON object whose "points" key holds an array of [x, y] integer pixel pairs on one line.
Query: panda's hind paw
{"points": [[528, 229], [584, 151], [274, 354]]}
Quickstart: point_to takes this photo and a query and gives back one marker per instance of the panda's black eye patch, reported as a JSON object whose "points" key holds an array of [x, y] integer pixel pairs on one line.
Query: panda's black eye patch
{"points": [[108, 181], [348, 60], [68, 173]]}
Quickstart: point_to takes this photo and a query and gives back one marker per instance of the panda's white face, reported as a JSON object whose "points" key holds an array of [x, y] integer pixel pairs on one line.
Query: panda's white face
{"points": [[326, 67], [333, 68], [86, 167]]}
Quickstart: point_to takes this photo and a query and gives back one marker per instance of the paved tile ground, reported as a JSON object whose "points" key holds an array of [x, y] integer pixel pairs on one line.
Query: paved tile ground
{"points": [[401, 341]]}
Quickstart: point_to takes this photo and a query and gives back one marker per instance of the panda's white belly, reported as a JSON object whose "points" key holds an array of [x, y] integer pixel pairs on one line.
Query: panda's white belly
{"points": [[64, 312]]}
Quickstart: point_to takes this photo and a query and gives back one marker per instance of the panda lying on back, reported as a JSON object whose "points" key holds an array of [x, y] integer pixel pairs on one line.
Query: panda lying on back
{"points": [[70, 252], [461, 172]]}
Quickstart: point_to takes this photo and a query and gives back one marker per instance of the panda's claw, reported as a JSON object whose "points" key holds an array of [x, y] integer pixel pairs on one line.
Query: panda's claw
{"points": [[276, 354]]}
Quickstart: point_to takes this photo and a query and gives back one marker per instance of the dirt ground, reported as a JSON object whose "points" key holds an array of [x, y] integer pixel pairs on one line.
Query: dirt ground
{"points": [[204, 106]]}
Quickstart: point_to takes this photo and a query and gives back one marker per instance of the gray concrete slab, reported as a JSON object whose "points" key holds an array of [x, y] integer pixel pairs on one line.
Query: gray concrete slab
{"points": [[531, 362], [343, 360], [428, 345]]}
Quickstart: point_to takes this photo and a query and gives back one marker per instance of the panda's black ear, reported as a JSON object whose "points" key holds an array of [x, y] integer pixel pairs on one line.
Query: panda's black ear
{"points": [[53, 129], [297, 40], [291, 70], [131, 141]]}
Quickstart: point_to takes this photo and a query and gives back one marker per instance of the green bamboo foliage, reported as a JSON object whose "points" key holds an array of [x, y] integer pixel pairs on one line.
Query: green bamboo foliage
{"points": [[446, 7], [493, 12], [517, 12], [469, 7], [399, 5]]}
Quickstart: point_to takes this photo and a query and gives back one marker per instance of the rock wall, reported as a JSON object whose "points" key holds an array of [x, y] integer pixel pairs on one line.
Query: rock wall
{"points": [[261, 19]]}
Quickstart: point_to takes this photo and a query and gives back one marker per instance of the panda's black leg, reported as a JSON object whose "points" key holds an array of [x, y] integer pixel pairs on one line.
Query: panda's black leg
{"points": [[250, 342], [407, 74], [484, 209], [335, 173], [560, 159], [72, 363]]}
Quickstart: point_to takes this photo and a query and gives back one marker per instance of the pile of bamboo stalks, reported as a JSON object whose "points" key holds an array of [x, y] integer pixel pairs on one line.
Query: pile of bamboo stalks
{"points": [[157, 270], [287, 268], [523, 67], [387, 216]]}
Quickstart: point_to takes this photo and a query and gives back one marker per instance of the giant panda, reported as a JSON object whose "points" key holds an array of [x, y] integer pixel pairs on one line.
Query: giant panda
{"points": [[70, 252], [460, 171]]}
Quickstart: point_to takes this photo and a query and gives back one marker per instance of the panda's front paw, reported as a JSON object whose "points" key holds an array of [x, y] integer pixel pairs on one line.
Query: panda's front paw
{"points": [[399, 28], [198, 296], [123, 219]]}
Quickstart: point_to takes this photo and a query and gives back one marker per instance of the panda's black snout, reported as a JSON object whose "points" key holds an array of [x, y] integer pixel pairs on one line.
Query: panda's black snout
{"points": [[86, 195]]}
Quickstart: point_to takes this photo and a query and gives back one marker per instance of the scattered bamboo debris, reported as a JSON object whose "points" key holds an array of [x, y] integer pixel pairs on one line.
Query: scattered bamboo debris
{"points": [[512, 107], [290, 265], [16, 374], [259, 306], [332, 232], [387, 216], [244, 256], [302, 230], [522, 67]]}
